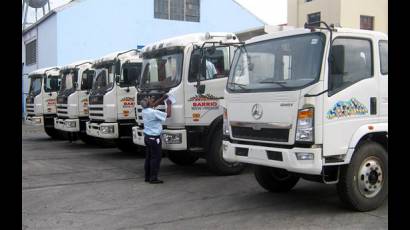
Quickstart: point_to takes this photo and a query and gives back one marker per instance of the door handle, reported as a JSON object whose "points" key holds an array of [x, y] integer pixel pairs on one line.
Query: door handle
{"points": [[373, 105]]}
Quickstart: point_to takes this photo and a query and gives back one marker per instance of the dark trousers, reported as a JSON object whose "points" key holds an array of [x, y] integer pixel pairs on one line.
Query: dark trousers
{"points": [[152, 156]]}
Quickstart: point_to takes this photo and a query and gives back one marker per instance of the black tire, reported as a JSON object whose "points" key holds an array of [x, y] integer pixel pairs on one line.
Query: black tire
{"points": [[89, 140], [369, 157], [274, 179], [54, 133], [127, 146], [182, 157], [215, 161]]}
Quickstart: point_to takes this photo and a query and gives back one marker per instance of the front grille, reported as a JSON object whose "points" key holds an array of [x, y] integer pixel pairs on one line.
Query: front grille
{"points": [[62, 112], [61, 107], [264, 134], [95, 108], [96, 114]]}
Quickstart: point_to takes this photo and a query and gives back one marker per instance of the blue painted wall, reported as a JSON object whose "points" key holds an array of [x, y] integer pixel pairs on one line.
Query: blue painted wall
{"points": [[92, 28]]}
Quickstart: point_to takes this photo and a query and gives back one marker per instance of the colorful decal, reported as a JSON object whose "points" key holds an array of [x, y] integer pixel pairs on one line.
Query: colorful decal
{"points": [[347, 108], [84, 101], [205, 102], [51, 101], [126, 113], [196, 116], [127, 102], [48, 109]]}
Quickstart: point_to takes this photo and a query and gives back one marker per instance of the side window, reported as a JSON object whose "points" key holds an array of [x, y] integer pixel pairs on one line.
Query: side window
{"points": [[131, 75], [350, 61], [384, 57], [87, 79], [52, 83], [216, 63]]}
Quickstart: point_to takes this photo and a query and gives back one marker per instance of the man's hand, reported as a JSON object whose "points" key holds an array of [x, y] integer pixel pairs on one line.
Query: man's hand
{"points": [[168, 102]]}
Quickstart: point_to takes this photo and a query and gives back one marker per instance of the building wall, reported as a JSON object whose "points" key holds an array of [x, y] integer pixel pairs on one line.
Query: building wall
{"points": [[299, 9], [89, 29], [352, 9], [345, 13]]}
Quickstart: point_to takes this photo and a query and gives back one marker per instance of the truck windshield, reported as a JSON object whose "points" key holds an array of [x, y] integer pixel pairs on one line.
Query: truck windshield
{"points": [[162, 70], [68, 80], [104, 79], [52, 83], [35, 85], [280, 64]]}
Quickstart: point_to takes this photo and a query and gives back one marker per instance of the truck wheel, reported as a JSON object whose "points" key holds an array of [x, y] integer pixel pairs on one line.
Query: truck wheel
{"points": [[215, 161], [363, 184], [275, 179], [182, 157], [86, 139], [54, 133], [127, 146]]}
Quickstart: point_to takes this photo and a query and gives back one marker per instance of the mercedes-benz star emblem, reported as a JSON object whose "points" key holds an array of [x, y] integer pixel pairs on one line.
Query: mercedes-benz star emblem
{"points": [[257, 111]]}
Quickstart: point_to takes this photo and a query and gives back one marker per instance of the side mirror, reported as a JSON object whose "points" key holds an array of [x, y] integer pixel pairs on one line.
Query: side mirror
{"points": [[200, 89], [336, 66], [337, 60], [117, 67]]}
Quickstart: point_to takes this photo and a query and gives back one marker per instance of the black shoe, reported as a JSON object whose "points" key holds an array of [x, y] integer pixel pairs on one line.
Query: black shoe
{"points": [[156, 181], [146, 180]]}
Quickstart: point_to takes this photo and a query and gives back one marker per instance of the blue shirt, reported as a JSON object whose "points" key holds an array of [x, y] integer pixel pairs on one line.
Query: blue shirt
{"points": [[153, 121]]}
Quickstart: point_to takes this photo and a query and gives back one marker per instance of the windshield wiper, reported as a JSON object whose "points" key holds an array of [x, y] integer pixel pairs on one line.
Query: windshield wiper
{"points": [[270, 81], [242, 86]]}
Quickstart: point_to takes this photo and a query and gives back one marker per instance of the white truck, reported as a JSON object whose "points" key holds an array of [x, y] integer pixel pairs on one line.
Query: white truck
{"points": [[312, 103], [192, 69], [41, 99], [112, 112], [72, 99]]}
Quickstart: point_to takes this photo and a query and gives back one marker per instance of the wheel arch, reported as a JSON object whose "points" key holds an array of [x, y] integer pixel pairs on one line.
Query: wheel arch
{"points": [[370, 132]]}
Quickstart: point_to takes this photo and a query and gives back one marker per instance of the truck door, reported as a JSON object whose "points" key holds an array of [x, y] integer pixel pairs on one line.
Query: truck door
{"points": [[51, 85], [86, 85], [353, 91], [203, 109], [129, 78]]}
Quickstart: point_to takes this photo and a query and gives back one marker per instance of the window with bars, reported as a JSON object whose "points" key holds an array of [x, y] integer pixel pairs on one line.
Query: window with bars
{"points": [[181, 10], [366, 22], [314, 19], [31, 52]]}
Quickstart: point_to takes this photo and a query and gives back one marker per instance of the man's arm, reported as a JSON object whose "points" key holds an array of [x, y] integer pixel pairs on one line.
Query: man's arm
{"points": [[160, 100], [169, 108]]}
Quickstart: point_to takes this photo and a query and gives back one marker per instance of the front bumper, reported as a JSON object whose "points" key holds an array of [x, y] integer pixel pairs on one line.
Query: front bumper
{"points": [[34, 120], [67, 125], [258, 155], [138, 138], [102, 130]]}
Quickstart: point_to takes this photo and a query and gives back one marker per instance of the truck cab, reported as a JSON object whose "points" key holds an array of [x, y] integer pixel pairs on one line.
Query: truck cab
{"points": [[112, 113], [312, 103], [192, 69], [72, 99], [41, 99]]}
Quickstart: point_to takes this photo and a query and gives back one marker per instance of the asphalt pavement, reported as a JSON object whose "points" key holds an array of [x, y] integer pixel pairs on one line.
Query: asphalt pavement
{"points": [[76, 186]]}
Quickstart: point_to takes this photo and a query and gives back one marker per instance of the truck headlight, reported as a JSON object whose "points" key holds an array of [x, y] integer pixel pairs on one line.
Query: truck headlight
{"points": [[107, 129], [70, 124], [225, 126], [172, 138], [36, 120], [304, 126]]}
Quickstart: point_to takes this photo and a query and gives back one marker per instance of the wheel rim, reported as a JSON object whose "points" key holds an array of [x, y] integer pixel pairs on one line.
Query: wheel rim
{"points": [[370, 177]]}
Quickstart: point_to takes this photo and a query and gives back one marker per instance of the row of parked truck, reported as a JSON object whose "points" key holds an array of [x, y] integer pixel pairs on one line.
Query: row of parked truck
{"points": [[305, 103]]}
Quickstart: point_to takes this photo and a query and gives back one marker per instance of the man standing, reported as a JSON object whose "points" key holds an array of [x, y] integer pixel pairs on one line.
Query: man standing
{"points": [[153, 120]]}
